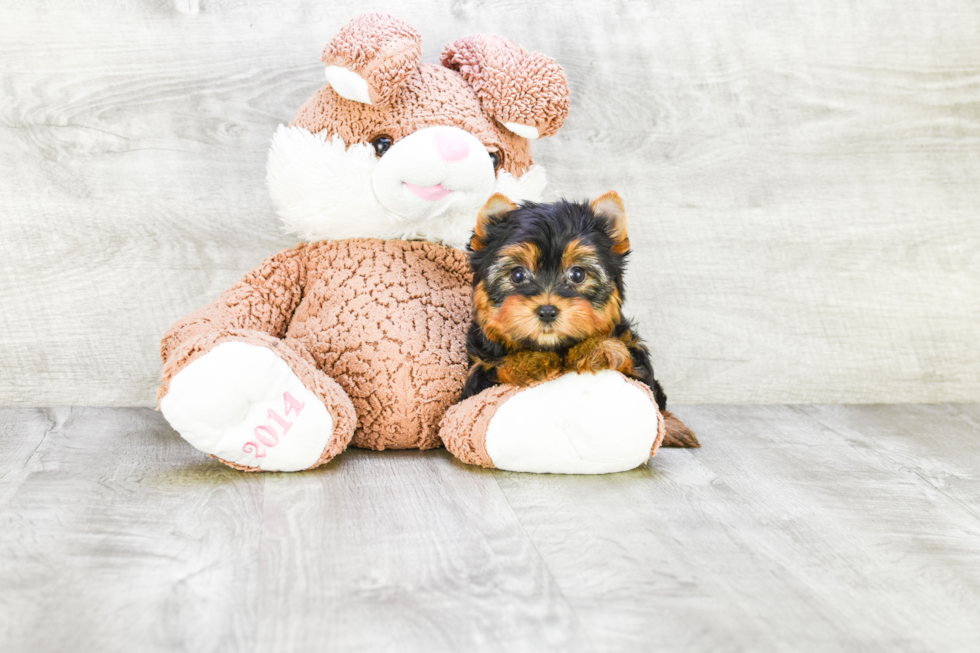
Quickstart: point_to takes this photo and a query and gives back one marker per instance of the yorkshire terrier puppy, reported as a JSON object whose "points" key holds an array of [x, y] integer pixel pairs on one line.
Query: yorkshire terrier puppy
{"points": [[547, 296]]}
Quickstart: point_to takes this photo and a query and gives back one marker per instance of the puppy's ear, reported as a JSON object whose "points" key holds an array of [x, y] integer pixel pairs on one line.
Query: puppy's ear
{"points": [[610, 206], [371, 57], [526, 92], [494, 211]]}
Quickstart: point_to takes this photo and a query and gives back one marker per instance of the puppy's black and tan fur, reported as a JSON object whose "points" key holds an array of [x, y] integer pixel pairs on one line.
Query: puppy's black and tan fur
{"points": [[547, 295]]}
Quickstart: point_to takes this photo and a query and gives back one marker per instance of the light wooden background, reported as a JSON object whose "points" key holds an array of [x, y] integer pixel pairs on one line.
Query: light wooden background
{"points": [[803, 180]]}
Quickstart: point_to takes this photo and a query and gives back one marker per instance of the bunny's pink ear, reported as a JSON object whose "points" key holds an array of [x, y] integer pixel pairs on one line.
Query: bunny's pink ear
{"points": [[371, 57], [524, 91]]}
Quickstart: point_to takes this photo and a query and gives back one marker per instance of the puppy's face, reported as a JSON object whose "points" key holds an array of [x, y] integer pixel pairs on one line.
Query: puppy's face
{"points": [[547, 276]]}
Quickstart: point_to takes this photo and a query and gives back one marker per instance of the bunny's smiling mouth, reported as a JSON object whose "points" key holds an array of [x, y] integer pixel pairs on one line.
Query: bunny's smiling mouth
{"points": [[430, 193]]}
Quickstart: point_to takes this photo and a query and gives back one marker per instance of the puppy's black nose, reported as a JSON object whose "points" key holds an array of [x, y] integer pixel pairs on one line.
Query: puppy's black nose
{"points": [[547, 313]]}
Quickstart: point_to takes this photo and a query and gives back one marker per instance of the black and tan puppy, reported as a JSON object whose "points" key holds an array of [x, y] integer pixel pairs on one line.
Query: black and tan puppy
{"points": [[547, 297]]}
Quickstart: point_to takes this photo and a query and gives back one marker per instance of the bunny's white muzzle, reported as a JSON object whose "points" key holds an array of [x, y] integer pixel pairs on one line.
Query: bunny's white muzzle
{"points": [[428, 186], [434, 171]]}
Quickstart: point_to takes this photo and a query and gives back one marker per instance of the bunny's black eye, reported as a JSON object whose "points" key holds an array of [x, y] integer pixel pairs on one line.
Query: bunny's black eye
{"points": [[518, 276], [576, 275], [381, 145], [495, 160]]}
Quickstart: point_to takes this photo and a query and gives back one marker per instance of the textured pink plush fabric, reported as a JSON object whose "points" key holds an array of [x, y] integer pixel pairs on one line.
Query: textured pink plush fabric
{"points": [[381, 49], [661, 424], [513, 84], [430, 96], [385, 320], [483, 82], [464, 428]]}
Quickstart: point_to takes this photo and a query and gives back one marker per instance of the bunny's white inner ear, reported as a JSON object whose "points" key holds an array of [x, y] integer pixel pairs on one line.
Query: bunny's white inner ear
{"points": [[349, 84], [525, 131]]}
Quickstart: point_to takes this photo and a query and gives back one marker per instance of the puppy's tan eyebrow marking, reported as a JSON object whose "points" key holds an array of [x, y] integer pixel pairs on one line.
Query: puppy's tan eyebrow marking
{"points": [[576, 252], [525, 254]]}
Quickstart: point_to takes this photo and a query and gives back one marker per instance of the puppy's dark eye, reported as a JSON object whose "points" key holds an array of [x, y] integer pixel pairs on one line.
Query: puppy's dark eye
{"points": [[518, 276], [576, 274], [381, 145], [495, 160]]}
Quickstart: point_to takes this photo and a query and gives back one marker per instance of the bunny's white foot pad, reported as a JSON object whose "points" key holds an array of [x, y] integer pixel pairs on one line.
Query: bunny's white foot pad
{"points": [[244, 404], [576, 424]]}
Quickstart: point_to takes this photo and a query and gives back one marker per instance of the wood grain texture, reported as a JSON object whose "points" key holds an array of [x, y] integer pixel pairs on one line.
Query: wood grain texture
{"points": [[23, 433], [781, 533], [120, 537], [401, 551], [794, 528], [800, 178]]}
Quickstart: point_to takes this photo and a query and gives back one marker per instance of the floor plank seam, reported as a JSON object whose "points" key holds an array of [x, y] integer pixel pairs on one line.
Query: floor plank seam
{"points": [[31, 462], [901, 465], [496, 474]]}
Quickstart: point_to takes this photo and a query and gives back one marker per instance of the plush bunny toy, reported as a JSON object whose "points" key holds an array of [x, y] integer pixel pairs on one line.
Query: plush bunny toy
{"points": [[357, 335]]}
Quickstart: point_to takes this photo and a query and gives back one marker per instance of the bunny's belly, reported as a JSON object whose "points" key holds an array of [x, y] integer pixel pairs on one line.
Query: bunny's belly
{"points": [[387, 320]]}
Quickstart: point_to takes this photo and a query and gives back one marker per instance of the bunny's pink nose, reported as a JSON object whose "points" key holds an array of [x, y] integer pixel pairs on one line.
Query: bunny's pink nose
{"points": [[450, 145]]}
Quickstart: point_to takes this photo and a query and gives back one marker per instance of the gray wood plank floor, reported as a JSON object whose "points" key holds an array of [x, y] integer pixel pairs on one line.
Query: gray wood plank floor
{"points": [[795, 528]]}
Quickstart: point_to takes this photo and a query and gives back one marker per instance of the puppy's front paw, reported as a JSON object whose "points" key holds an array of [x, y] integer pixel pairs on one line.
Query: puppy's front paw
{"points": [[600, 353], [527, 367]]}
